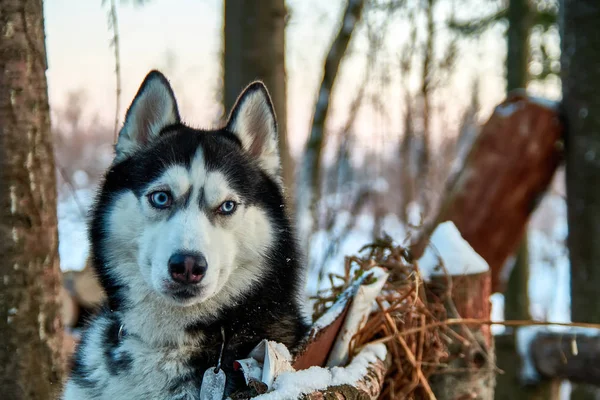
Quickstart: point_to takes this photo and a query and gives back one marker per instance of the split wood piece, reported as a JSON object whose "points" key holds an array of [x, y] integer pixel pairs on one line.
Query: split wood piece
{"points": [[469, 370], [504, 177], [316, 351]]}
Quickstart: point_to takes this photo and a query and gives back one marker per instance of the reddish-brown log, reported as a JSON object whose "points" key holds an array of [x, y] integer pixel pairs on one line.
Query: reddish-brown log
{"points": [[511, 164]]}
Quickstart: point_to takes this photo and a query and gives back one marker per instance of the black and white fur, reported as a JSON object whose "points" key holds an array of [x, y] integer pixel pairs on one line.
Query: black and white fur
{"points": [[154, 338]]}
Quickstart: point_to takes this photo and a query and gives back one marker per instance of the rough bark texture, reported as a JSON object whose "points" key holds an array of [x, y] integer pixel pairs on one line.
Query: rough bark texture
{"points": [[310, 171], [469, 373], [517, 57], [507, 171], [580, 58], [255, 49], [31, 364], [367, 388]]}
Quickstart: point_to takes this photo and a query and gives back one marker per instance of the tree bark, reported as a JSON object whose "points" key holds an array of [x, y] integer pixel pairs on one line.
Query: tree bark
{"points": [[580, 45], [255, 49], [31, 363], [509, 384], [469, 370], [517, 57]]}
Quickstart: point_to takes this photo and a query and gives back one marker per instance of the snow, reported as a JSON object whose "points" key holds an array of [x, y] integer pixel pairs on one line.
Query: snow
{"points": [[330, 315], [291, 385], [73, 245], [457, 256], [552, 104], [509, 109], [340, 304], [524, 337]]}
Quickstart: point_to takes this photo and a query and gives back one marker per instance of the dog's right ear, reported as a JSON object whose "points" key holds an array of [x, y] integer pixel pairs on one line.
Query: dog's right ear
{"points": [[153, 108]]}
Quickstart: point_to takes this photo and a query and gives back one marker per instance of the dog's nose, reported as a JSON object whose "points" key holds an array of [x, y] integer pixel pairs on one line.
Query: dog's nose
{"points": [[187, 268]]}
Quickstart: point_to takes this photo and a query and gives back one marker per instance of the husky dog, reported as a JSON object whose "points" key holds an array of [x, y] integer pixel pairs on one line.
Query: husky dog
{"points": [[191, 242]]}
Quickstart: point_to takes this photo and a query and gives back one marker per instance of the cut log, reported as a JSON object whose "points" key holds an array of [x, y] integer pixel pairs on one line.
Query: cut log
{"points": [[367, 388], [511, 164], [469, 370], [571, 356]]}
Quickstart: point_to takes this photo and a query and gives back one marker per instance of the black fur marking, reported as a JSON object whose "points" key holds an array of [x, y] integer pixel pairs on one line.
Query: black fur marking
{"points": [[117, 362]]}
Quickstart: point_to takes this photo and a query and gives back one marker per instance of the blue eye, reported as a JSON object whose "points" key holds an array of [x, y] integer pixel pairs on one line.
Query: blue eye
{"points": [[227, 207], [160, 199]]}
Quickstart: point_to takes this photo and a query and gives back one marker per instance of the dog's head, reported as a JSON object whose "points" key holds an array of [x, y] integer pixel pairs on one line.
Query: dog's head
{"points": [[184, 213]]}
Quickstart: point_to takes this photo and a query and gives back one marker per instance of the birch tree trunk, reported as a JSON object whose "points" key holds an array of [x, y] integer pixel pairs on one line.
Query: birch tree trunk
{"points": [[31, 365]]}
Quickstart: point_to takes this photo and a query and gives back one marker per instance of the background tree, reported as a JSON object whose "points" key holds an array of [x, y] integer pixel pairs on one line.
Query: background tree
{"points": [[255, 49], [31, 364], [580, 79], [516, 304]]}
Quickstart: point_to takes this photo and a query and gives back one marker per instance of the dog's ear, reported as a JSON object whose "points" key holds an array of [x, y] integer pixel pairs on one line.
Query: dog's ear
{"points": [[253, 121], [153, 108]]}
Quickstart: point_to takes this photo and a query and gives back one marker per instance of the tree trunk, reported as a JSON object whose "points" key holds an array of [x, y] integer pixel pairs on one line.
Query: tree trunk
{"points": [[580, 58], [469, 370], [517, 56], [255, 49], [31, 363]]}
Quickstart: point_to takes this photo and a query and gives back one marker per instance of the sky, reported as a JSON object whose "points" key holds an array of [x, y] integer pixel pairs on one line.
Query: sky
{"points": [[183, 39]]}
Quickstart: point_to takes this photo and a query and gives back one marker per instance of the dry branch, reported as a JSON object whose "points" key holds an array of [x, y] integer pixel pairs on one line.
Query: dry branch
{"points": [[311, 163]]}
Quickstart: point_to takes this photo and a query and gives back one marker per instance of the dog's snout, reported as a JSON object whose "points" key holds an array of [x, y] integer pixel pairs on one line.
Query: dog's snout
{"points": [[187, 268]]}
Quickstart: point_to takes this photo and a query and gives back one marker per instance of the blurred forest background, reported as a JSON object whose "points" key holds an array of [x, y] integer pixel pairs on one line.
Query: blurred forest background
{"points": [[379, 103]]}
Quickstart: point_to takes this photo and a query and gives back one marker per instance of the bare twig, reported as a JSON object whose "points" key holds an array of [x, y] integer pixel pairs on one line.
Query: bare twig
{"points": [[113, 25]]}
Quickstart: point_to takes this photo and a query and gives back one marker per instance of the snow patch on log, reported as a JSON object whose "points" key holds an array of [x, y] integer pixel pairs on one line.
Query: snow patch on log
{"points": [[506, 110], [447, 248], [291, 385]]}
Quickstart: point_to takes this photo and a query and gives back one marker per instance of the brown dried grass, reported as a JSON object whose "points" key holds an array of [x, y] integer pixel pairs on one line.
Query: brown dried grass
{"points": [[403, 306]]}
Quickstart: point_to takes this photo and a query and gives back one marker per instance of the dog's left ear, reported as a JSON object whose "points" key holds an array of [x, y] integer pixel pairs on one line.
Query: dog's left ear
{"points": [[254, 123]]}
